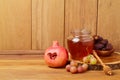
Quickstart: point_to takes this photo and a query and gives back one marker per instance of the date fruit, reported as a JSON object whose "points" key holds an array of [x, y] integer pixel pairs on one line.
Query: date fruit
{"points": [[97, 38], [101, 44], [109, 46], [98, 46], [104, 41]]}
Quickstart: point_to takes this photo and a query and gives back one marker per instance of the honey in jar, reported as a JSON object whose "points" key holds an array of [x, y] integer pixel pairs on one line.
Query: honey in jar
{"points": [[80, 44]]}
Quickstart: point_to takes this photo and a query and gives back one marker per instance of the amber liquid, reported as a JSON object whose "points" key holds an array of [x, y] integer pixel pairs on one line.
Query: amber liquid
{"points": [[79, 49]]}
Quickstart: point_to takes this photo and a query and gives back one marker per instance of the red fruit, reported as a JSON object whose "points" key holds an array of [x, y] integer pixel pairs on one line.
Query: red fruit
{"points": [[68, 67], [80, 69], [73, 69], [56, 56]]}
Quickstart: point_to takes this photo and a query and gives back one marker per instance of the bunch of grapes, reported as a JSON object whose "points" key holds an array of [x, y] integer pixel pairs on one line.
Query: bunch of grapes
{"points": [[74, 67], [101, 44]]}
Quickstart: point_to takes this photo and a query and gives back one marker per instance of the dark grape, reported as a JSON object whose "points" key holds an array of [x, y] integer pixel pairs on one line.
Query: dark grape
{"points": [[99, 38], [109, 46], [104, 41], [98, 46]]}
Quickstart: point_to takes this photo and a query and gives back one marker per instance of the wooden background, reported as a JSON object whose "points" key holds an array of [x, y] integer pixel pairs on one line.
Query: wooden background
{"points": [[34, 24]]}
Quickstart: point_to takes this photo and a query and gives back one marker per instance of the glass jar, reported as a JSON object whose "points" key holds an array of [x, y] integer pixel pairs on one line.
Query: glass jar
{"points": [[80, 44]]}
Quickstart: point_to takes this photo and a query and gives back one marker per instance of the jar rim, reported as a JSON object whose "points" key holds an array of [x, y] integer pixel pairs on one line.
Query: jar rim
{"points": [[82, 32]]}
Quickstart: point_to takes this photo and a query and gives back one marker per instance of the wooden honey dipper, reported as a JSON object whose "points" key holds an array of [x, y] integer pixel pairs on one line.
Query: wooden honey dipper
{"points": [[107, 70]]}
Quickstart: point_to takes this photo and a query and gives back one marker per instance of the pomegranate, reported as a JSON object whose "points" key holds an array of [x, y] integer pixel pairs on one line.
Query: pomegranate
{"points": [[56, 55]]}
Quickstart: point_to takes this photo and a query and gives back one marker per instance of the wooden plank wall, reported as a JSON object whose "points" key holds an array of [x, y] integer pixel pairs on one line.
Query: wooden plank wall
{"points": [[34, 24], [54, 20], [15, 24], [109, 21], [48, 23], [80, 14]]}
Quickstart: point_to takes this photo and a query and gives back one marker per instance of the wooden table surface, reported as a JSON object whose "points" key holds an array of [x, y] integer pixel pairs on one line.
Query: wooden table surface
{"points": [[32, 67]]}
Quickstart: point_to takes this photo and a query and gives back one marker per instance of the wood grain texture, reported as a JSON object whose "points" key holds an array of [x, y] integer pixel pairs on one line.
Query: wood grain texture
{"points": [[15, 24], [109, 21], [79, 14], [48, 23], [34, 23], [34, 68], [21, 52]]}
